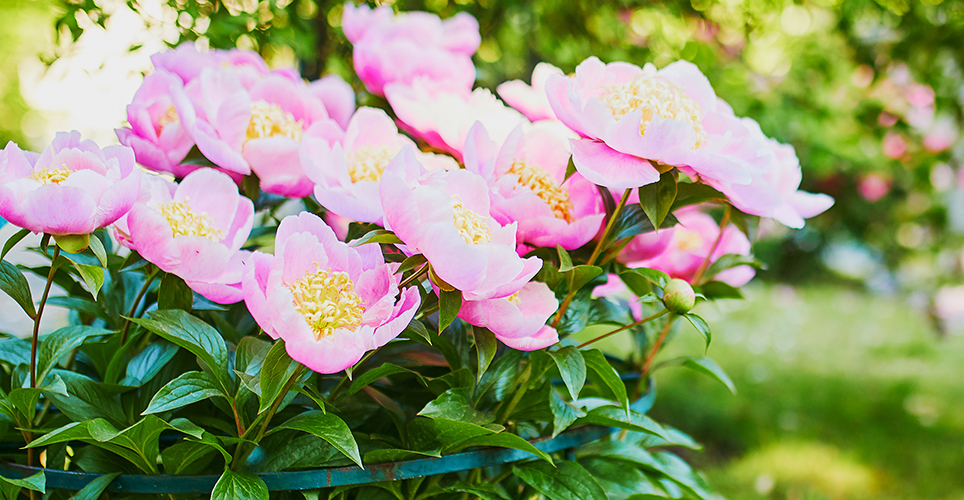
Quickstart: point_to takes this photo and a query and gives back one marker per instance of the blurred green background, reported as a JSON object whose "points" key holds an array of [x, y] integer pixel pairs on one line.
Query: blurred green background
{"points": [[846, 354]]}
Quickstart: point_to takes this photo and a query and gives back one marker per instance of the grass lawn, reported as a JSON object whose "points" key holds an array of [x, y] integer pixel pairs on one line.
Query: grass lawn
{"points": [[841, 396]]}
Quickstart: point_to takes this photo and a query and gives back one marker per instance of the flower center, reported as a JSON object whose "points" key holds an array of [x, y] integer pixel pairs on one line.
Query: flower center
{"points": [[328, 301], [654, 96], [44, 176], [184, 222], [514, 299], [472, 226], [367, 163], [169, 117], [269, 120], [686, 240], [541, 184]]}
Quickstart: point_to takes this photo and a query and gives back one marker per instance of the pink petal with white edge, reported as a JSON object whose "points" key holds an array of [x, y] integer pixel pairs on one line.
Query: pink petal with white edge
{"points": [[545, 337], [604, 166]]}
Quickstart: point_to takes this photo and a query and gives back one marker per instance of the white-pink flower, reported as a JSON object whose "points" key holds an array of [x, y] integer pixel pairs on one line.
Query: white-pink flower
{"points": [[530, 100]]}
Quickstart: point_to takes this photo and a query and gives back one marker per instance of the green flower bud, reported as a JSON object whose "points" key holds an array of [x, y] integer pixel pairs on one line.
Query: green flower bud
{"points": [[72, 243], [678, 296]]}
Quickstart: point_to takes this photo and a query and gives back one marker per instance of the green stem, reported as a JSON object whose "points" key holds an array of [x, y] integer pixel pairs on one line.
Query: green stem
{"points": [[706, 262], [266, 417], [622, 328], [341, 384], [594, 256], [414, 276], [656, 347], [523, 387], [36, 318], [137, 301]]}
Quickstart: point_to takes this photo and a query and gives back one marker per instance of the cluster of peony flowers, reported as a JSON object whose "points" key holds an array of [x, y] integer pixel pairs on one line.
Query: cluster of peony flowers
{"points": [[474, 188]]}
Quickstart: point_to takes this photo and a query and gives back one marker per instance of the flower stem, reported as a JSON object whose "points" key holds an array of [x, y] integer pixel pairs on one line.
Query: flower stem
{"points": [[137, 301], [706, 262], [36, 318], [626, 327], [238, 455], [648, 363], [414, 276], [594, 256]]}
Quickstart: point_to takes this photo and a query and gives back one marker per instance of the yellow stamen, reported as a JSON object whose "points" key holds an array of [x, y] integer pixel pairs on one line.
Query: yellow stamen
{"points": [[472, 226], [685, 240], [269, 120], [541, 184], [169, 117], [328, 301], [514, 298], [184, 222], [368, 163], [44, 176], [653, 96]]}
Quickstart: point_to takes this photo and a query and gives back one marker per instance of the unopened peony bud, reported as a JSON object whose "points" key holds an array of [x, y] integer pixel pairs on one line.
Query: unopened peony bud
{"points": [[678, 296], [72, 243]]}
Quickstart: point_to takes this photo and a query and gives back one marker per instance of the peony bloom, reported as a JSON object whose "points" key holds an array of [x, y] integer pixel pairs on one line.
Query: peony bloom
{"points": [[156, 135], [194, 230], [390, 48], [631, 118], [443, 117], [257, 131], [531, 100], [337, 96], [773, 188], [188, 63], [614, 288], [691, 241], [347, 173], [518, 320], [527, 179], [72, 187], [329, 302], [445, 216]]}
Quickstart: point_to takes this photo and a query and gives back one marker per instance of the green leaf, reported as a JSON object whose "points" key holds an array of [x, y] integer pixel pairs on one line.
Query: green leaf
{"points": [[709, 368], [148, 363], [59, 343], [376, 236], [97, 247], [188, 388], [450, 303], [86, 399], [327, 426], [385, 370], [692, 193], [12, 241], [576, 276], [701, 326], [418, 329], [179, 457], [93, 276], [174, 293], [563, 413], [614, 416], [632, 221], [275, 372], [454, 404], [731, 260], [191, 333], [570, 169], [568, 481], [36, 482], [572, 368], [239, 486], [14, 284], [657, 198], [442, 434], [638, 279], [713, 290], [411, 263], [485, 348], [95, 488], [506, 440], [605, 374]]}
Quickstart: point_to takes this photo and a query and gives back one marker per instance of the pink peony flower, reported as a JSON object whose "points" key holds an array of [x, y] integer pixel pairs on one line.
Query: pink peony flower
{"points": [[692, 240], [329, 302], [872, 187], [518, 320], [894, 145], [194, 230], [443, 117], [526, 177], [390, 48], [337, 96], [156, 135], [630, 117], [72, 187], [257, 131], [188, 63], [775, 179], [347, 173], [531, 100], [445, 216], [615, 288]]}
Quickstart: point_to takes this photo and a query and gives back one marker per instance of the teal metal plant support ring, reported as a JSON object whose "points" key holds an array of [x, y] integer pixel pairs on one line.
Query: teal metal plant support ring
{"points": [[319, 478]]}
